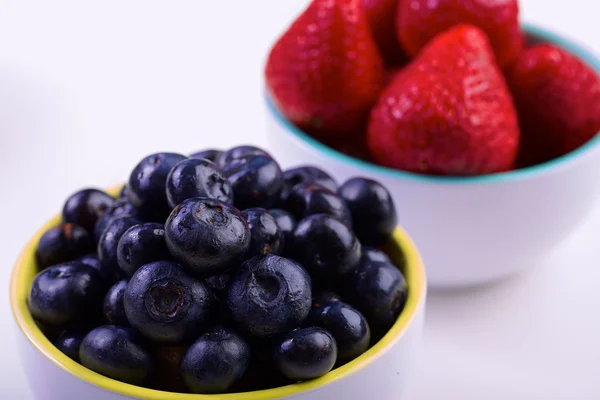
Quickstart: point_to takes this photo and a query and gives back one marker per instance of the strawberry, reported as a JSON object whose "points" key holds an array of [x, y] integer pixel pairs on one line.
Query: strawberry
{"points": [[418, 21], [325, 72], [381, 15], [449, 112], [558, 99]]}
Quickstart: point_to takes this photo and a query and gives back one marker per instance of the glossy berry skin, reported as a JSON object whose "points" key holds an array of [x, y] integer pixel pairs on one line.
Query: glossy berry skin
{"points": [[256, 180], [197, 178], [85, 207], [120, 208], [325, 72], [347, 325], [449, 112], [558, 99], [323, 298], [113, 309], [115, 352], [381, 15], [215, 361], [419, 21], [142, 244], [93, 261], [147, 185], [228, 156], [326, 247], [66, 293], [165, 304], [305, 174], [378, 290], [68, 343], [207, 236], [266, 237], [306, 353], [108, 245], [373, 211], [63, 243], [309, 199], [372, 254], [210, 154], [286, 223], [269, 295]]}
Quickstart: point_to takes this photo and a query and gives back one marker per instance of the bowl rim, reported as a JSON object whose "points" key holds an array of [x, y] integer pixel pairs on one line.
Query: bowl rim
{"points": [[19, 292], [522, 174]]}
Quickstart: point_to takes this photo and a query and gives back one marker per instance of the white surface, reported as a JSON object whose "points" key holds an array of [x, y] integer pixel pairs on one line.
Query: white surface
{"points": [[87, 88]]}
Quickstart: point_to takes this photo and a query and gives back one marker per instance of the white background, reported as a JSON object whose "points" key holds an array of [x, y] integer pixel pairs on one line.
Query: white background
{"points": [[88, 87]]}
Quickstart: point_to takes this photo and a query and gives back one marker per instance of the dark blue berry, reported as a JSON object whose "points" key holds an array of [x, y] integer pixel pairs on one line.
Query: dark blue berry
{"points": [[215, 361], [93, 261], [63, 243], [68, 343], [197, 177], [146, 186], [326, 247], [207, 236], [65, 293], [269, 295], [210, 154], [85, 207], [306, 353], [286, 222], [347, 325], [165, 304], [228, 156], [142, 244], [256, 181], [266, 237], [115, 352], [113, 309], [108, 245], [323, 298], [309, 199], [305, 174], [123, 192], [373, 254], [373, 212], [120, 208]]}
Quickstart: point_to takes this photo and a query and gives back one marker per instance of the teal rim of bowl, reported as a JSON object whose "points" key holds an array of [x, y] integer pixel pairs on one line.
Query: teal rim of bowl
{"points": [[516, 175]]}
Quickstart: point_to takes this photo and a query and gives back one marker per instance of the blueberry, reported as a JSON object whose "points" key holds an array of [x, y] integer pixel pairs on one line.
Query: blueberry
{"points": [[146, 186], [238, 152], [93, 261], [306, 353], [165, 304], [256, 181], [373, 254], [379, 291], [142, 244], [123, 192], [306, 174], [323, 298], [85, 207], [68, 343], [65, 293], [61, 244], [166, 376], [120, 208], [310, 199], [347, 325], [207, 236], [197, 178], [373, 212], [266, 237], [113, 309], [115, 352], [210, 154], [215, 361], [108, 245], [326, 247], [269, 295], [286, 222]]}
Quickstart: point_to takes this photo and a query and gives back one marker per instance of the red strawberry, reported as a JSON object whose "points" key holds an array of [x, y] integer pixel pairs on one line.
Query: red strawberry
{"points": [[325, 73], [381, 15], [418, 21], [449, 112], [558, 100]]}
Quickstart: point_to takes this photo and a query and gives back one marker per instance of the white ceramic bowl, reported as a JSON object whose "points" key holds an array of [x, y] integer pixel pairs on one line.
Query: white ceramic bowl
{"points": [[473, 230], [380, 373]]}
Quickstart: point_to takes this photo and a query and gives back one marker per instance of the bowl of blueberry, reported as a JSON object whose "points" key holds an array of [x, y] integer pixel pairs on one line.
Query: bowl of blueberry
{"points": [[221, 276], [483, 128]]}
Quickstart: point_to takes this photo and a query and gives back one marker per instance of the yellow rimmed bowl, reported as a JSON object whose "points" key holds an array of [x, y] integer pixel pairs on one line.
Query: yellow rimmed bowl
{"points": [[380, 373]]}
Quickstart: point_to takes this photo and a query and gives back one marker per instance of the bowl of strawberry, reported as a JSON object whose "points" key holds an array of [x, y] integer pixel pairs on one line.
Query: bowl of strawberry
{"points": [[483, 129], [221, 276]]}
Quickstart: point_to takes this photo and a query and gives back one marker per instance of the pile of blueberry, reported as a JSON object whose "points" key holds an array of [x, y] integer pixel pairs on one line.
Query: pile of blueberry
{"points": [[219, 272]]}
